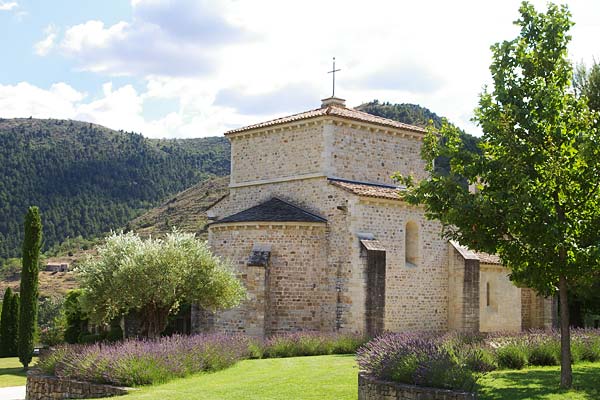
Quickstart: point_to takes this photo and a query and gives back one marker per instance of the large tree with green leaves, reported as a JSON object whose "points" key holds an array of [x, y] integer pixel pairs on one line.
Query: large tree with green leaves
{"points": [[153, 277], [28, 309], [536, 201]]}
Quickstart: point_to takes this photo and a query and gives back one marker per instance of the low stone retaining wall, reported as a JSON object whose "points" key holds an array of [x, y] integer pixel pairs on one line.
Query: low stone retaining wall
{"points": [[44, 387], [372, 389]]}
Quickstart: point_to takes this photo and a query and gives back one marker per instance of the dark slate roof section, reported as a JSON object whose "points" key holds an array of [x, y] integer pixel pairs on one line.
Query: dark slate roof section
{"points": [[274, 210]]}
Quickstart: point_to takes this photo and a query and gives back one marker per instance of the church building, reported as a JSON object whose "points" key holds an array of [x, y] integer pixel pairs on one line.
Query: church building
{"points": [[318, 232]]}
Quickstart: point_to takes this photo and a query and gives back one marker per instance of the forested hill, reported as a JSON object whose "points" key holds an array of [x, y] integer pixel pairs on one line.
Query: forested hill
{"points": [[88, 179], [412, 114]]}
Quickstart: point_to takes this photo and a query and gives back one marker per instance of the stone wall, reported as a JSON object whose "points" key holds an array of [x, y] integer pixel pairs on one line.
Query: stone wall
{"points": [[373, 389], [276, 153], [294, 292], [500, 303], [330, 202], [411, 291], [464, 295], [371, 155], [326, 147], [538, 312], [44, 387]]}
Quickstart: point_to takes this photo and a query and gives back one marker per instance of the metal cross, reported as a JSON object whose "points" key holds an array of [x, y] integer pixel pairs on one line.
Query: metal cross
{"points": [[333, 71]]}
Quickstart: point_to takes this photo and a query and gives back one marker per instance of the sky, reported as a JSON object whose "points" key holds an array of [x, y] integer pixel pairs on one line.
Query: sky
{"points": [[194, 68]]}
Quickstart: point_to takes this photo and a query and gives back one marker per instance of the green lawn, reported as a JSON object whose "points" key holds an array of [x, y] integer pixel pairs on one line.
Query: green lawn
{"points": [[11, 372], [335, 377], [300, 378], [541, 383]]}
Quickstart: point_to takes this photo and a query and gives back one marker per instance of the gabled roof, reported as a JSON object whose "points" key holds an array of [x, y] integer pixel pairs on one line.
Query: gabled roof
{"points": [[332, 110], [366, 189], [274, 210]]}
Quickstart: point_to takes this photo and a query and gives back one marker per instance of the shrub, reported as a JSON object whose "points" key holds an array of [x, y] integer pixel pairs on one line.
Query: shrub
{"points": [[546, 352], [591, 348], [512, 356]]}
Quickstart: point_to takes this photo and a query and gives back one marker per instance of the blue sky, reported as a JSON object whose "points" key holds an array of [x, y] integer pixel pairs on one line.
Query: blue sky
{"points": [[190, 68]]}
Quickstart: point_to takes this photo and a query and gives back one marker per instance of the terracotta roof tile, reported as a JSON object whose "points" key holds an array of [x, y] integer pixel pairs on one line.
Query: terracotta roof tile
{"points": [[333, 110], [368, 189], [486, 258]]}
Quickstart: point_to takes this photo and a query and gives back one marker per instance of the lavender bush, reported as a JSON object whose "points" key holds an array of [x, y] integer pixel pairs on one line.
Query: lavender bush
{"points": [[311, 344], [456, 361], [140, 362], [417, 359]]}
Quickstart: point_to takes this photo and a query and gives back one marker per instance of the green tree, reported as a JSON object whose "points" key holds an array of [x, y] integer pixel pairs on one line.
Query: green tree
{"points": [[14, 326], [5, 323], [586, 82], [28, 309], [537, 197], [153, 277], [77, 320]]}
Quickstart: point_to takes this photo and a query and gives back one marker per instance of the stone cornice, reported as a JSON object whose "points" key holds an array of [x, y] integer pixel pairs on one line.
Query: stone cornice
{"points": [[267, 224], [277, 180], [333, 119]]}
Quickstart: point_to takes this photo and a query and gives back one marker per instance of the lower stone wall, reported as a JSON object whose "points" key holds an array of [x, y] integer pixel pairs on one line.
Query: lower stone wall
{"points": [[373, 389], [44, 387]]}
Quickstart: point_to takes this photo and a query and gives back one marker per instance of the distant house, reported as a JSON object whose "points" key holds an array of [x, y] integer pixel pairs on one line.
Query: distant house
{"points": [[56, 267]]}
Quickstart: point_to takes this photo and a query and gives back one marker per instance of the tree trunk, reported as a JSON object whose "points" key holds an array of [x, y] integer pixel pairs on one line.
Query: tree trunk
{"points": [[566, 373], [153, 320]]}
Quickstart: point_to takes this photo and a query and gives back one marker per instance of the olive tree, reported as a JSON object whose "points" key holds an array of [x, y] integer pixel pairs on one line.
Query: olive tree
{"points": [[153, 277]]}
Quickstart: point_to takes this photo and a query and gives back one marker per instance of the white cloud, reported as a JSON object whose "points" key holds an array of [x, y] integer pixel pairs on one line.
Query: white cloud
{"points": [[229, 63], [8, 6], [163, 38], [25, 100], [44, 46]]}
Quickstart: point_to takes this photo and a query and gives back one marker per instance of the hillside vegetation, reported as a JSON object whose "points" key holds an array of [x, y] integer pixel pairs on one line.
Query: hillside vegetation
{"points": [[88, 179], [186, 210]]}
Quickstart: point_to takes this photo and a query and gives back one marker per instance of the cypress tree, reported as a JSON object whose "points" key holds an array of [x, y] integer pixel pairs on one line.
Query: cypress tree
{"points": [[29, 284], [4, 323], [14, 326]]}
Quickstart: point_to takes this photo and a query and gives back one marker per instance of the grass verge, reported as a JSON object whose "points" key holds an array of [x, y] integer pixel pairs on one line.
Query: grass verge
{"points": [[541, 383], [11, 372], [300, 378]]}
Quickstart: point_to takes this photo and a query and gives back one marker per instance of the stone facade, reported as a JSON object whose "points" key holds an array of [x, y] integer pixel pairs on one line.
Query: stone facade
{"points": [[296, 292], [500, 304], [334, 164], [372, 389], [44, 387]]}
